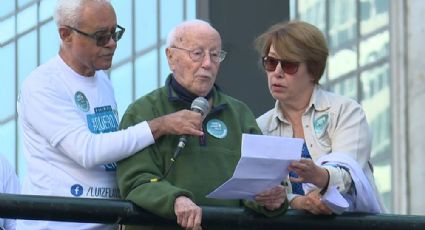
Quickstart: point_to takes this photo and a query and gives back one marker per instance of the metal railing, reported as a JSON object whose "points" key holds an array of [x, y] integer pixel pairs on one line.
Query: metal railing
{"points": [[124, 212]]}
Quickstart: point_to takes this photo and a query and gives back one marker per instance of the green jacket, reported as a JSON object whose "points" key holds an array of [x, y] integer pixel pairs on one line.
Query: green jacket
{"points": [[204, 163]]}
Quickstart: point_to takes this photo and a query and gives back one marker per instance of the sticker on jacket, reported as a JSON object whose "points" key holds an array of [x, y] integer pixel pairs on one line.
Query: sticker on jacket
{"points": [[320, 124], [217, 128]]}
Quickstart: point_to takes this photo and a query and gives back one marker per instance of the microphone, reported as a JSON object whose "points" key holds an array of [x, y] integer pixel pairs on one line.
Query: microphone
{"points": [[199, 105]]}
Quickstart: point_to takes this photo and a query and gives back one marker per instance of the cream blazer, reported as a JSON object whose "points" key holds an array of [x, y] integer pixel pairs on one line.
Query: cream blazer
{"points": [[331, 123]]}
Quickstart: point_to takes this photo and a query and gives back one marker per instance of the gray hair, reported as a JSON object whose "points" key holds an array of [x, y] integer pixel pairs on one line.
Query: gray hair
{"points": [[176, 31], [67, 12]]}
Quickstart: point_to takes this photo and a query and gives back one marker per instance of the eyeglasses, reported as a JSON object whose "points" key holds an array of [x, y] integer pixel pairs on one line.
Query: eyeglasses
{"points": [[100, 37], [198, 55], [270, 63]]}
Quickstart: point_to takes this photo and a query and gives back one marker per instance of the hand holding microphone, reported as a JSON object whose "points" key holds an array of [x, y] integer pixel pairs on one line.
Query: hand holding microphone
{"points": [[199, 105], [181, 122]]}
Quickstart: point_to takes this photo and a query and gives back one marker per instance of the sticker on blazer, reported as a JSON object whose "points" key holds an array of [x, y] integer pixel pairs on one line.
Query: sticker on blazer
{"points": [[320, 124], [81, 101], [217, 128]]}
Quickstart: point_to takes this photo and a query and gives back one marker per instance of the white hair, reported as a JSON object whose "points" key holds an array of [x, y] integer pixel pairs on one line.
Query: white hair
{"points": [[176, 31], [68, 12]]}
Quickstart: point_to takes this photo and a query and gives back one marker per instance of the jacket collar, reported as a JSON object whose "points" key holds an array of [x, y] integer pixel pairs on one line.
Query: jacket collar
{"points": [[178, 92], [319, 100]]}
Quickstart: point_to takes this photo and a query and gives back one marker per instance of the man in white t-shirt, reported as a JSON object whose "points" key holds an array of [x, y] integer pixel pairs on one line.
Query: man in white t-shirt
{"points": [[69, 119], [9, 183]]}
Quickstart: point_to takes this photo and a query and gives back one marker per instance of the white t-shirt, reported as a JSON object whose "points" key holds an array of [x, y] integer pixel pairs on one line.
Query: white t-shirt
{"points": [[9, 183], [71, 142]]}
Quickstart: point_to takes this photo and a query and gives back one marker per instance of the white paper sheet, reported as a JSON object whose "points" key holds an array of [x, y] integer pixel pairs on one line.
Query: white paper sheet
{"points": [[263, 165]]}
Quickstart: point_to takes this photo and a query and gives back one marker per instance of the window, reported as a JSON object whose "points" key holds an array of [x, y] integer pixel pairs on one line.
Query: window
{"points": [[7, 91], [146, 72]]}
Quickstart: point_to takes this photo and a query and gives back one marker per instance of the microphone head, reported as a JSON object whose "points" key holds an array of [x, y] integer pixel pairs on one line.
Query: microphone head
{"points": [[200, 104]]}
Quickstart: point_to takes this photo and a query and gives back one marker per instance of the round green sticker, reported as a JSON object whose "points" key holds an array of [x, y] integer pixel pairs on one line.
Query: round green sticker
{"points": [[81, 101], [217, 128]]}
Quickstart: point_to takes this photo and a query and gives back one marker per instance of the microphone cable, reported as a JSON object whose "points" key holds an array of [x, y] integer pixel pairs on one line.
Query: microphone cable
{"points": [[200, 105], [182, 143], [180, 146]]}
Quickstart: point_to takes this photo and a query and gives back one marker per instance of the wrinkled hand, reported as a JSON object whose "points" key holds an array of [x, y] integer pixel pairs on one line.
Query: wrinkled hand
{"points": [[273, 198], [308, 172], [178, 123], [311, 203], [189, 215]]}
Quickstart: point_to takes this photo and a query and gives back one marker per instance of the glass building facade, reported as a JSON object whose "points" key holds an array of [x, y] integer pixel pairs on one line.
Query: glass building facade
{"points": [[358, 37], [28, 38]]}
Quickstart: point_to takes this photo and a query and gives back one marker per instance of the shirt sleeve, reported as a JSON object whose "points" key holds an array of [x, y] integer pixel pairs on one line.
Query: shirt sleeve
{"points": [[93, 149], [351, 136], [50, 113], [339, 177]]}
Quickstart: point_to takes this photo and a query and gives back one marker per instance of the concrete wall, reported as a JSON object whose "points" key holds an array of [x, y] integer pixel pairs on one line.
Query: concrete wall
{"points": [[239, 23], [408, 105], [416, 103]]}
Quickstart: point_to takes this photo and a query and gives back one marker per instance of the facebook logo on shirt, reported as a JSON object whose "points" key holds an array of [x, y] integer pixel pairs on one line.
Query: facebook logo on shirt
{"points": [[77, 190]]}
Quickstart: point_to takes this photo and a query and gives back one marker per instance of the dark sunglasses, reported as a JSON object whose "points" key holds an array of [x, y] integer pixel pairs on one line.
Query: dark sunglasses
{"points": [[270, 63], [100, 37]]}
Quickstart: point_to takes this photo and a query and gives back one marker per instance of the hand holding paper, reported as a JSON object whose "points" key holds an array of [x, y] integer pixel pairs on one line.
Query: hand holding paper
{"points": [[263, 165]]}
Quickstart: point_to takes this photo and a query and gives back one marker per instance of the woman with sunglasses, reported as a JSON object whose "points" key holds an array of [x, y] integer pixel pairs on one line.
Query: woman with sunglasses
{"points": [[336, 154]]}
